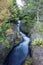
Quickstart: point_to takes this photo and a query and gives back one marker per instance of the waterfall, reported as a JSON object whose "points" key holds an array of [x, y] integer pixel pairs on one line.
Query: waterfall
{"points": [[18, 25], [20, 3], [19, 53], [23, 35]]}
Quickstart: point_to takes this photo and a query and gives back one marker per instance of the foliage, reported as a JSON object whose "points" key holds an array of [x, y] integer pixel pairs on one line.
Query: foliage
{"points": [[19, 38], [13, 9], [28, 61], [39, 27], [27, 14], [10, 3], [5, 25], [34, 6], [38, 42], [4, 42], [29, 19], [14, 18]]}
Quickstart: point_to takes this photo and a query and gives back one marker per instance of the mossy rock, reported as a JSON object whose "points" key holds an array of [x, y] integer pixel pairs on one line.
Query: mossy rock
{"points": [[24, 27], [28, 61]]}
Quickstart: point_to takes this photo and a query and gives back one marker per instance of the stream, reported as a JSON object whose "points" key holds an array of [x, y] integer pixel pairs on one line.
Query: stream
{"points": [[20, 52]]}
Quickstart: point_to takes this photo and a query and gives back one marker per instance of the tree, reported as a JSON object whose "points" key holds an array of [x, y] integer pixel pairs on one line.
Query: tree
{"points": [[34, 6]]}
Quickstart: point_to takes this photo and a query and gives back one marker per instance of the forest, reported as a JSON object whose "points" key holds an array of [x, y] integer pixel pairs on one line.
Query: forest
{"points": [[21, 32]]}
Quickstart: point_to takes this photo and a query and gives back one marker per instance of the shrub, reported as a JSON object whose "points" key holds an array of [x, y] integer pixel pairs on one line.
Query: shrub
{"points": [[37, 42], [3, 27], [39, 27], [29, 19], [4, 42]]}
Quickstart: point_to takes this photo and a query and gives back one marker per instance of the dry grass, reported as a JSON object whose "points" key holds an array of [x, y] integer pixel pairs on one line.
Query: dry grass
{"points": [[4, 9]]}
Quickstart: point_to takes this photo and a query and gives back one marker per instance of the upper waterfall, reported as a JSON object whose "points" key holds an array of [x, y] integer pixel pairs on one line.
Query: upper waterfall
{"points": [[18, 25]]}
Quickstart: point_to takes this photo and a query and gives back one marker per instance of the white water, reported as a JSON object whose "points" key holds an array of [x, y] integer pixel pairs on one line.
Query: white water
{"points": [[26, 39], [19, 53], [20, 3]]}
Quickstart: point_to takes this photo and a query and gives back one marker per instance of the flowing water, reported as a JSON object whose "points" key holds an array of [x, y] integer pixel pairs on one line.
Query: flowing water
{"points": [[19, 53]]}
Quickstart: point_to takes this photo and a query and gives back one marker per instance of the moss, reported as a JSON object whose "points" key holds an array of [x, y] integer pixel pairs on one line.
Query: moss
{"points": [[28, 61], [6, 44], [18, 39]]}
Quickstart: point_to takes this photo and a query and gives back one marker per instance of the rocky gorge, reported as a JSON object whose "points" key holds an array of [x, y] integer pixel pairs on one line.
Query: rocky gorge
{"points": [[14, 38]]}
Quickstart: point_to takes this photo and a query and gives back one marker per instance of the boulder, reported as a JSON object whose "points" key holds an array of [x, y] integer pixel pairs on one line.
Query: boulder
{"points": [[25, 28]]}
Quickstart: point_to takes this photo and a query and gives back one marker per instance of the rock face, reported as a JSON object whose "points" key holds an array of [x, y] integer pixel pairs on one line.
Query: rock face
{"points": [[37, 55], [37, 51], [14, 38], [3, 53], [25, 28]]}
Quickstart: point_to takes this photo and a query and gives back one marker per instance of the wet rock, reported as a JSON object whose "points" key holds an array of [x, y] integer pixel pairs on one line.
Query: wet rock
{"points": [[19, 39]]}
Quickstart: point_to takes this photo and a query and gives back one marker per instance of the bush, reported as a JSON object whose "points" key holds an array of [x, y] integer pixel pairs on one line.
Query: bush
{"points": [[3, 27], [37, 42], [39, 27], [29, 19]]}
